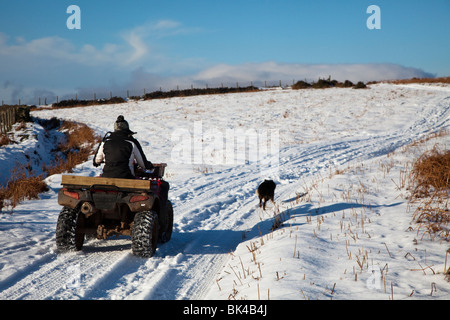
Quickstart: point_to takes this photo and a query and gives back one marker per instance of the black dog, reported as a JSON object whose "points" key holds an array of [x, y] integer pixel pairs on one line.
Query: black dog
{"points": [[266, 191]]}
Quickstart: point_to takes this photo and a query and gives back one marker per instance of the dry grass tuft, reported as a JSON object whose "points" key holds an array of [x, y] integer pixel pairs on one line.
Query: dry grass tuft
{"points": [[431, 173], [430, 181], [4, 140], [422, 80], [21, 186], [76, 148], [79, 135]]}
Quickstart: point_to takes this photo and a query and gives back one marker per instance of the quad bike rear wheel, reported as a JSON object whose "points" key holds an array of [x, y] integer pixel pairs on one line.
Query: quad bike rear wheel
{"points": [[144, 235], [67, 238]]}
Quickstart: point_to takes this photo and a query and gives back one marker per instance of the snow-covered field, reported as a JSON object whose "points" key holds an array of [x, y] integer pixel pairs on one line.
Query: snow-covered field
{"points": [[340, 158]]}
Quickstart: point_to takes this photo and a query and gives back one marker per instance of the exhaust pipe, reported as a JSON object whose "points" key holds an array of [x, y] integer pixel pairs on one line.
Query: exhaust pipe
{"points": [[87, 208]]}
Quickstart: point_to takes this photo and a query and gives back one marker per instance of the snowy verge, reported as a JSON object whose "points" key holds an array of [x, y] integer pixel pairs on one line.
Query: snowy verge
{"points": [[351, 236]]}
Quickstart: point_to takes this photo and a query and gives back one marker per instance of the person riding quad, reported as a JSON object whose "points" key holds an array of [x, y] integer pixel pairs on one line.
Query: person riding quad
{"points": [[119, 150]]}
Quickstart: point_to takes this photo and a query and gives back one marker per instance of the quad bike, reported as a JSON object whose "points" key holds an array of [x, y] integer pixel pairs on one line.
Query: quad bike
{"points": [[106, 207]]}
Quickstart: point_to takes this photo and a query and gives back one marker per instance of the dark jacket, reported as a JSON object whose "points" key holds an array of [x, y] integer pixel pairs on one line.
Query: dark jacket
{"points": [[119, 150]]}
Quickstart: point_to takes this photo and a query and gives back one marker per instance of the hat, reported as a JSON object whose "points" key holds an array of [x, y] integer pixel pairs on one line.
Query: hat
{"points": [[122, 125]]}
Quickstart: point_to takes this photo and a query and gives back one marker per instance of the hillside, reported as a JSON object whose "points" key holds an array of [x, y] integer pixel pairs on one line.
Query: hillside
{"points": [[341, 226]]}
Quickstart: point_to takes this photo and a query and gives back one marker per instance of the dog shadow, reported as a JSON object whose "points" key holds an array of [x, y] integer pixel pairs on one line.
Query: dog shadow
{"points": [[304, 210]]}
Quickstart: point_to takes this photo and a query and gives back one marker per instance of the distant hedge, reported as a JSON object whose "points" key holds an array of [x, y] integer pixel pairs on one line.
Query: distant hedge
{"points": [[197, 92], [327, 83], [84, 103]]}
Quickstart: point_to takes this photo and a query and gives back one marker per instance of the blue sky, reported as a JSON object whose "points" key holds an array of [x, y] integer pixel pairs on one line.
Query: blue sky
{"points": [[151, 44]]}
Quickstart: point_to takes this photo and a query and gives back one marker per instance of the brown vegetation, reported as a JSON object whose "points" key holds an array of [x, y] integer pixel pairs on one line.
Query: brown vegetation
{"points": [[197, 92], [77, 146], [431, 172], [430, 181], [75, 149], [84, 103], [422, 80], [21, 186], [4, 140]]}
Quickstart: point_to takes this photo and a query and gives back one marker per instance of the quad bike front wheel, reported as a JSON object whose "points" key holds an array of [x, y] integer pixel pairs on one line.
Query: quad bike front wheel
{"points": [[165, 232]]}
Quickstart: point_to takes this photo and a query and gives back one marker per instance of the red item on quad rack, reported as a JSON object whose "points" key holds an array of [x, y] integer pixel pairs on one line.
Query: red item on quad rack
{"points": [[157, 173], [155, 177], [155, 186]]}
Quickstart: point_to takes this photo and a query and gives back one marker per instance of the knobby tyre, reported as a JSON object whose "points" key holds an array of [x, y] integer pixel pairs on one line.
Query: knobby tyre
{"points": [[144, 236], [67, 239], [166, 231]]}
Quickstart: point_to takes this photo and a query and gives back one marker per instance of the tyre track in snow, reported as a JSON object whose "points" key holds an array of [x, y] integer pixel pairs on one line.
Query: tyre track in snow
{"points": [[16, 285], [64, 276]]}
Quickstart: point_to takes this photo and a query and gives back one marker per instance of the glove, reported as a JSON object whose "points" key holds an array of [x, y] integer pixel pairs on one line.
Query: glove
{"points": [[149, 166]]}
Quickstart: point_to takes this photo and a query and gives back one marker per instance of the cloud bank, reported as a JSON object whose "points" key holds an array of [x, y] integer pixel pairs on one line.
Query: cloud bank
{"points": [[271, 73], [53, 66], [288, 71]]}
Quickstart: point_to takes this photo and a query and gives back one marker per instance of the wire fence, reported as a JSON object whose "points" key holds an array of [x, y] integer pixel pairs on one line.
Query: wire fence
{"points": [[96, 94]]}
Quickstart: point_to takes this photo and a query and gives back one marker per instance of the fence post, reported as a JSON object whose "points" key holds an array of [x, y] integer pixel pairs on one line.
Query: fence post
{"points": [[8, 118], [1, 122]]}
